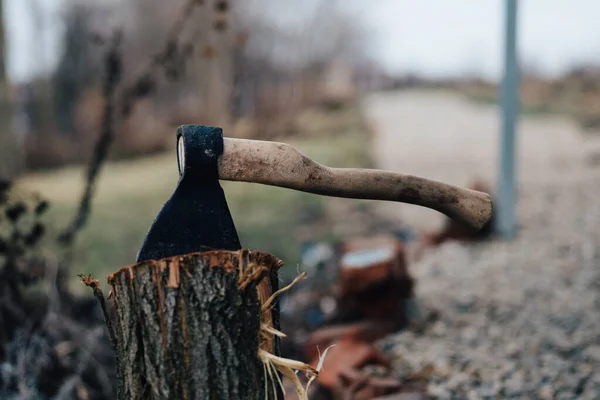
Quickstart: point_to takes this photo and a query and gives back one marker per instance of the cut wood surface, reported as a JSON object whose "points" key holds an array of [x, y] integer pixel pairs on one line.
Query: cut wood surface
{"points": [[188, 327]]}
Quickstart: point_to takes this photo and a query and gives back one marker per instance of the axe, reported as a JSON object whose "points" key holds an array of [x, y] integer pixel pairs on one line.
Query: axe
{"points": [[197, 218]]}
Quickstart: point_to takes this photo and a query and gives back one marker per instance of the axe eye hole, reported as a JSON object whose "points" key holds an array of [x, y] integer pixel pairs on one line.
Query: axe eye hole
{"points": [[180, 155]]}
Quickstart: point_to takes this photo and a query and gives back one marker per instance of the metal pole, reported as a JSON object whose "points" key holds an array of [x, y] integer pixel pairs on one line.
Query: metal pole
{"points": [[505, 208]]}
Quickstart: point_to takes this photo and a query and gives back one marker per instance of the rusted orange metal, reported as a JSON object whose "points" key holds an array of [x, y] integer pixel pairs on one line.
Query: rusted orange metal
{"points": [[374, 279]]}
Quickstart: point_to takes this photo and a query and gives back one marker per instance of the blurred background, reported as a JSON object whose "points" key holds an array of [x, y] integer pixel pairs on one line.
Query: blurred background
{"points": [[92, 92]]}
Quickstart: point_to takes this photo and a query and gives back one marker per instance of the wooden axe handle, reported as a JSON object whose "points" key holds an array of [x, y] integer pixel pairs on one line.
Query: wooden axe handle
{"points": [[279, 164]]}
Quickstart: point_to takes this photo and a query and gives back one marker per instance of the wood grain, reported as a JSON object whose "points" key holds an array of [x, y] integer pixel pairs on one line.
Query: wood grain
{"points": [[280, 164]]}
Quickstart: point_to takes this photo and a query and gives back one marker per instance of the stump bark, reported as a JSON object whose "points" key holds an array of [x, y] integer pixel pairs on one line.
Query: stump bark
{"points": [[189, 327]]}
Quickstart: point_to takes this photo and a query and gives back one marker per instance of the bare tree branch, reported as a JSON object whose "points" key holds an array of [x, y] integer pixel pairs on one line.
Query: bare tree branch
{"points": [[170, 58]]}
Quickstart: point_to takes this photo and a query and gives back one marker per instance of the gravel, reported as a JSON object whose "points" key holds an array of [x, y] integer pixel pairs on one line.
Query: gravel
{"points": [[518, 318], [515, 319]]}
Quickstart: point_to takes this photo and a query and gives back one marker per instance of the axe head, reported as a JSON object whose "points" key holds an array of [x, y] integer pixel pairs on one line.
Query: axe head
{"points": [[196, 217]]}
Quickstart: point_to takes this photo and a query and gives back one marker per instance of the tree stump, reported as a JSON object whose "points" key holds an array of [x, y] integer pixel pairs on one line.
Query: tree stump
{"points": [[190, 327]]}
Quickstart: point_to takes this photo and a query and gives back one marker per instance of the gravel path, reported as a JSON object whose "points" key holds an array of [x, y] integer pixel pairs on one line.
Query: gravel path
{"points": [[515, 319], [441, 136]]}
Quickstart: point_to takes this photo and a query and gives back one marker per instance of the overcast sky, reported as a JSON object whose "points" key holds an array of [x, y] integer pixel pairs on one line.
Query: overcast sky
{"points": [[442, 37], [431, 37]]}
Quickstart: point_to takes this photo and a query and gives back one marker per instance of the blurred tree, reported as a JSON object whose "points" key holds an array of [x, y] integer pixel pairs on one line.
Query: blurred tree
{"points": [[292, 52], [76, 69], [10, 159]]}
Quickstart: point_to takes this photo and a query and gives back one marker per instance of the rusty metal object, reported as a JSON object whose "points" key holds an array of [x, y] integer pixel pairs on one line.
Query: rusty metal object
{"points": [[367, 331], [355, 370], [279, 164], [349, 353], [374, 279], [374, 286], [368, 261]]}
